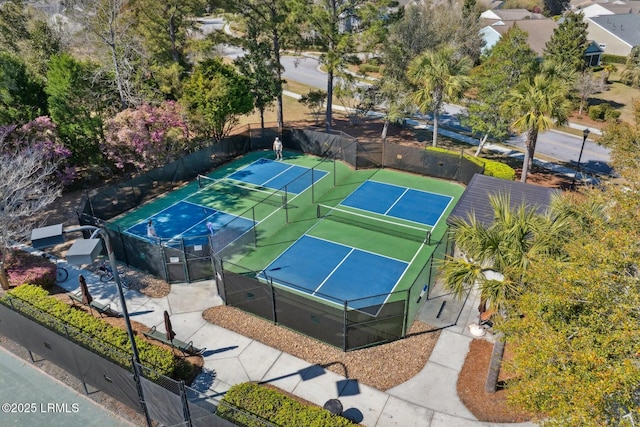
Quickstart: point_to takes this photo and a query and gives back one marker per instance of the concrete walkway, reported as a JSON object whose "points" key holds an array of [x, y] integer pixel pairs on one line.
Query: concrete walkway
{"points": [[428, 400]]}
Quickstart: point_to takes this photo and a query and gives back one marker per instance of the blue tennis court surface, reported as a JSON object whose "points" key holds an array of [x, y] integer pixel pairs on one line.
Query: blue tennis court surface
{"points": [[186, 219], [271, 174], [399, 202], [322, 268]]}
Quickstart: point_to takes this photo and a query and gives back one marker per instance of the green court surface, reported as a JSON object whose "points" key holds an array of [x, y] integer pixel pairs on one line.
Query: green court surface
{"points": [[277, 228]]}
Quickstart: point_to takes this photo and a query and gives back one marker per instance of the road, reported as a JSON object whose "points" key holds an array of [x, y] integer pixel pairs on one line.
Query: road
{"points": [[551, 144]]}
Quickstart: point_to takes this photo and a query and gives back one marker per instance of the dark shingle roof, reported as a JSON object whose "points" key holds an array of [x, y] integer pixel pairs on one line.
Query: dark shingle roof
{"points": [[475, 199], [625, 27]]}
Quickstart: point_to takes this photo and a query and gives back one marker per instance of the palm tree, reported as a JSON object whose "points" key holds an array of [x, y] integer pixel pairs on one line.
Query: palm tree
{"points": [[536, 105], [497, 257], [440, 76]]}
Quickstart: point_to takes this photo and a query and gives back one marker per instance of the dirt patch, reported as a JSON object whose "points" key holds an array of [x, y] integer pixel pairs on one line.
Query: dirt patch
{"points": [[381, 367], [488, 407]]}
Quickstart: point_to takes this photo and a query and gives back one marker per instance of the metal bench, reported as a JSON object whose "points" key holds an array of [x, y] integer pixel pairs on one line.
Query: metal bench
{"points": [[76, 297], [186, 348]]}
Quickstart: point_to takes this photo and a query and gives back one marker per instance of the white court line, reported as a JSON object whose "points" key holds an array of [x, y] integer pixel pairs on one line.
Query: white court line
{"points": [[334, 270], [394, 203], [264, 184]]}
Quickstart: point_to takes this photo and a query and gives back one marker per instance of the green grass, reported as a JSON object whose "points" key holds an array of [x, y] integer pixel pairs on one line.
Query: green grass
{"points": [[621, 97]]}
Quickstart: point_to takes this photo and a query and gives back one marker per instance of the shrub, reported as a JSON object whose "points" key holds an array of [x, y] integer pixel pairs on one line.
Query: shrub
{"points": [[374, 60], [613, 59], [603, 112], [369, 68], [159, 358], [611, 114], [491, 167], [23, 267], [270, 405]]}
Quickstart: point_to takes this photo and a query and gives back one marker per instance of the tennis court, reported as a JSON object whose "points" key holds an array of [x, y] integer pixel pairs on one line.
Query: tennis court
{"points": [[186, 219], [400, 202], [222, 209], [276, 175], [322, 268], [360, 249]]}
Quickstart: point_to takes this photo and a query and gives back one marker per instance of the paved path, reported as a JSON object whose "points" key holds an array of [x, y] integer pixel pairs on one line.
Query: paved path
{"points": [[30, 397], [428, 400]]}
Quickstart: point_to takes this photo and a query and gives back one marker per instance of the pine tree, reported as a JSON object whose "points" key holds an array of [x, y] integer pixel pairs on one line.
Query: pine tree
{"points": [[569, 42]]}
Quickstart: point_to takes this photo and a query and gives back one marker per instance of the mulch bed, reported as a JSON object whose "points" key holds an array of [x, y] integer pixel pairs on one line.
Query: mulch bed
{"points": [[488, 407]]}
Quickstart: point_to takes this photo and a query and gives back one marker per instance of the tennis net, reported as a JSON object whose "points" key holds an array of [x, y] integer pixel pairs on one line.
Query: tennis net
{"points": [[226, 186], [380, 225]]}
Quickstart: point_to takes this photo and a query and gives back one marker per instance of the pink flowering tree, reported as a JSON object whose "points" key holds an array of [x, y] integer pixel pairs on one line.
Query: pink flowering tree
{"points": [[147, 137]]}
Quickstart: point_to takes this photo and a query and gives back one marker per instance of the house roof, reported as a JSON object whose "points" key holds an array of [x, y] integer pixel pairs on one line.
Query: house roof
{"points": [[590, 8], [539, 31], [625, 27], [475, 199], [510, 14]]}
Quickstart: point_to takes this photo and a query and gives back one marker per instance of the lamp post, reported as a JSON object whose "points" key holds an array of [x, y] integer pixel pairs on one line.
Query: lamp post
{"points": [[84, 251], [585, 134]]}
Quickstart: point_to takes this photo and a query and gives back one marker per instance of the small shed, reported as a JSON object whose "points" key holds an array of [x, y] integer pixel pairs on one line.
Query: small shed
{"points": [[475, 199]]}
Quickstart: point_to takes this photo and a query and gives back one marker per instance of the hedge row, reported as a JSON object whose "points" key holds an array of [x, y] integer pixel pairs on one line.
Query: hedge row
{"points": [[491, 167], [159, 358], [613, 59], [270, 405]]}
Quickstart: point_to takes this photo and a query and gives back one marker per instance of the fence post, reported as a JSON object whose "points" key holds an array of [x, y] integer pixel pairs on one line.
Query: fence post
{"points": [[136, 377], [255, 232], [344, 325], [185, 267], [273, 301], [185, 404]]}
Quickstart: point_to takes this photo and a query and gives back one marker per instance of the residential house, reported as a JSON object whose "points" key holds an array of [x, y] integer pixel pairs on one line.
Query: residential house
{"points": [[613, 25], [509, 15], [539, 32], [615, 34]]}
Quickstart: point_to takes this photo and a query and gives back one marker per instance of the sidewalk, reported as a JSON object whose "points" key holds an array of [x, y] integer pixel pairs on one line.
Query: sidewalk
{"points": [[428, 400], [38, 399]]}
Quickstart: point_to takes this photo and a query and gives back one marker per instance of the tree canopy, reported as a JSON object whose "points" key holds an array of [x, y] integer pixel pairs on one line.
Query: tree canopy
{"points": [[509, 61], [215, 95], [147, 137], [535, 105], [576, 339], [31, 160], [438, 76], [569, 43], [22, 96]]}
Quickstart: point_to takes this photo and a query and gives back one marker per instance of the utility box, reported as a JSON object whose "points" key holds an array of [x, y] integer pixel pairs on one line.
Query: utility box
{"points": [[84, 251], [45, 237]]}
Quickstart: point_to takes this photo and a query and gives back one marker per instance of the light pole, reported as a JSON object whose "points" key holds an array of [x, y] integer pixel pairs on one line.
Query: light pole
{"points": [[84, 251], [585, 134]]}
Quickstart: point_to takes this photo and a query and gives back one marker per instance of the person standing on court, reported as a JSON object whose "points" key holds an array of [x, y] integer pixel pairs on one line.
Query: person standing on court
{"points": [[151, 230], [277, 147], [212, 228]]}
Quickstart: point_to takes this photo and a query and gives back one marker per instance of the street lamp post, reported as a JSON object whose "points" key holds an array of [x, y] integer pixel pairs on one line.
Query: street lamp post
{"points": [[585, 134], [83, 251]]}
